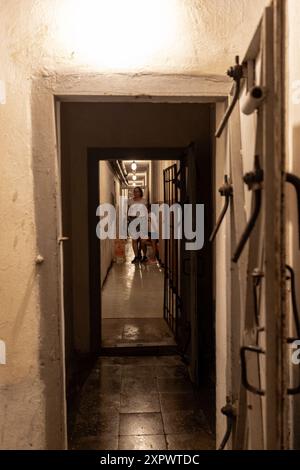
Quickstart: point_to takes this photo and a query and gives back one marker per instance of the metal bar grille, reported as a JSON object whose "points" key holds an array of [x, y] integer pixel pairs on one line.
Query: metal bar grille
{"points": [[171, 284]]}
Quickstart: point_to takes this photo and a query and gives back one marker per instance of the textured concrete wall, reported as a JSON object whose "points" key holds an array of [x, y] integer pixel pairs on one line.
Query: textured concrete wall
{"points": [[42, 36]]}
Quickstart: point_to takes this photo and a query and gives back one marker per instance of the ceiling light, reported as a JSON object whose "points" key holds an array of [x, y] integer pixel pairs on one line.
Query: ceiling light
{"points": [[133, 166], [116, 34], [134, 177]]}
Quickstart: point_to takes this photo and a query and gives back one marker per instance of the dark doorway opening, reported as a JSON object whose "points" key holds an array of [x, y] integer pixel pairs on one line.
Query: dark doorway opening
{"points": [[194, 326]]}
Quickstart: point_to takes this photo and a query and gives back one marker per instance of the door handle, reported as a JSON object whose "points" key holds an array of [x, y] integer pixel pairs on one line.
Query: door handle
{"points": [[245, 382], [226, 190], [291, 277], [295, 181], [293, 390], [254, 181], [63, 239]]}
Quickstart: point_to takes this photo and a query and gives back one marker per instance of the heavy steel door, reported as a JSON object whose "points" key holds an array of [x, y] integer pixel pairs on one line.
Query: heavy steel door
{"points": [[256, 314]]}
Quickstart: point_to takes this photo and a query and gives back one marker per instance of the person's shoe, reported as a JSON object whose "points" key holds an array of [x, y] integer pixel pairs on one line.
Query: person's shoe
{"points": [[144, 259], [135, 260]]}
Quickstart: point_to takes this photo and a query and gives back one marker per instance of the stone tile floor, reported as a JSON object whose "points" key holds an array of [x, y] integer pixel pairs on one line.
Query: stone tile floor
{"points": [[136, 332], [141, 403]]}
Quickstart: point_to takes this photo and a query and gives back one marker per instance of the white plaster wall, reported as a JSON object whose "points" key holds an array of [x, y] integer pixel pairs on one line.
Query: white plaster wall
{"points": [[42, 36], [107, 189], [118, 35], [22, 407]]}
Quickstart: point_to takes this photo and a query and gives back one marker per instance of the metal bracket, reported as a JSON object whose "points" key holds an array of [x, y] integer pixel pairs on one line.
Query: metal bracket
{"points": [[295, 181], [254, 181], [226, 190], [247, 385], [237, 73]]}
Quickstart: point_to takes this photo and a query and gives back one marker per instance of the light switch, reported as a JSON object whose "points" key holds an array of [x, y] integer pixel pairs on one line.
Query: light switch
{"points": [[2, 352]]}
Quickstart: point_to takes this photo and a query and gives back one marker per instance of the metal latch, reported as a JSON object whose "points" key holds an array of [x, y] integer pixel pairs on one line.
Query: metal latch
{"points": [[229, 410], [237, 73], [254, 181], [226, 190], [63, 239]]}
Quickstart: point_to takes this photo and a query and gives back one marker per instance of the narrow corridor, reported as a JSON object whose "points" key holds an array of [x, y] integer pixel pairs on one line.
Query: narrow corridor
{"points": [[141, 403]]}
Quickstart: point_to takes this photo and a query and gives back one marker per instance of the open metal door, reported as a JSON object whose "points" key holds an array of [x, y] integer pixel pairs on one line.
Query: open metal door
{"points": [[188, 272], [171, 264], [258, 388], [190, 296]]}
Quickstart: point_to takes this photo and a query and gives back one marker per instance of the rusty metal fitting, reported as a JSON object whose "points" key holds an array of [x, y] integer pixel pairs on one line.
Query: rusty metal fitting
{"points": [[237, 71]]}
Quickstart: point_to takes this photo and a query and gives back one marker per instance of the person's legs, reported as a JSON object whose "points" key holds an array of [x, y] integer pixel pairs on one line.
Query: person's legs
{"points": [[140, 248], [144, 249], [135, 249]]}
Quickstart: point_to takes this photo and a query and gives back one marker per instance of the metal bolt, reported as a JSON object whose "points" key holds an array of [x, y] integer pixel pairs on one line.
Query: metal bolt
{"points": [[39, 259]]}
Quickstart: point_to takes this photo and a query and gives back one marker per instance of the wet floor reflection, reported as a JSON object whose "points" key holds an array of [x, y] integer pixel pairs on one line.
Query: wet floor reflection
{"points": [[133, 290], [132, 305]]}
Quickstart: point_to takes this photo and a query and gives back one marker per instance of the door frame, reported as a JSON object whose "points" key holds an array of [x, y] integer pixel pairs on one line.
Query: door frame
{"points": [[48, 90], [94, 156]]}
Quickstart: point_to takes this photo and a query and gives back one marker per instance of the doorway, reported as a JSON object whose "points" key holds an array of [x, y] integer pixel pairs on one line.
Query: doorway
{"points": [[132, 270], [185, 123]]}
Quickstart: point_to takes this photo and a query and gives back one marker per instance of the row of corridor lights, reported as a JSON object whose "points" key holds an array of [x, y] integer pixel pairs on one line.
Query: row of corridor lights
{"points": [[134, 167]]}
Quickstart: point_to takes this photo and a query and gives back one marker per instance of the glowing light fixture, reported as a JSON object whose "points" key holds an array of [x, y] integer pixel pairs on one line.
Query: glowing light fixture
{"points": [[134, 177], [117, 33], [133, 166]]}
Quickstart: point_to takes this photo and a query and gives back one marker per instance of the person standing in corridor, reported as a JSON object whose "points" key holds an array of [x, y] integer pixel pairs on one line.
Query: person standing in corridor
{"points": [[138, 247]]}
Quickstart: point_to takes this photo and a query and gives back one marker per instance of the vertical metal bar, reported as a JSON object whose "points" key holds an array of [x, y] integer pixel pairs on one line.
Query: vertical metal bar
{"points": [[171, 261], [165, 261], [176, 260], [170, 258], [273, 226]]}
